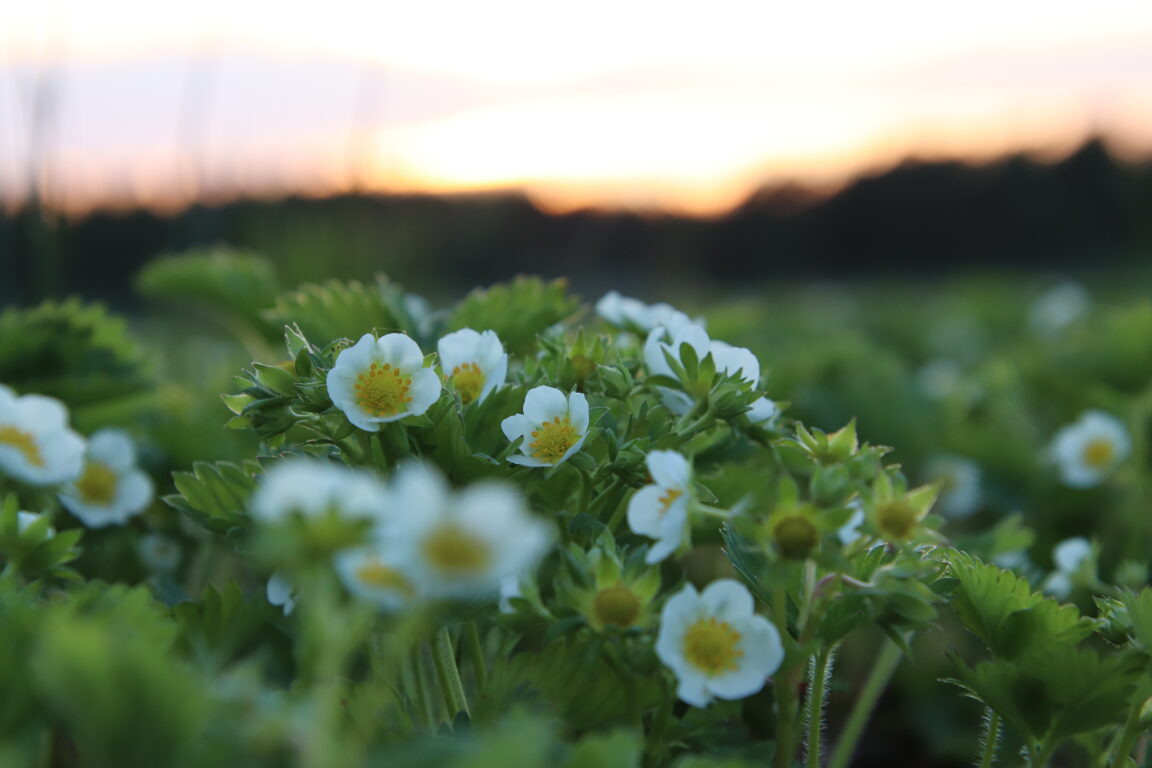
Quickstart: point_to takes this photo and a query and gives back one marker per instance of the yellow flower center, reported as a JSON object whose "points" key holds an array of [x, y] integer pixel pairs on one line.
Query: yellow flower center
{"points": [[712, 647], [669, 498], [553, 439], [97, 485], [383, 390], [376, 574], [616, 605], [23, 442], [453, 551], [1099, 453], [896, 519], [468, 380]]}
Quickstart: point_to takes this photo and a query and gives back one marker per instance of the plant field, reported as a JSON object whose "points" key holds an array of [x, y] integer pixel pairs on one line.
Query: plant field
{"points": [[338, 524]]}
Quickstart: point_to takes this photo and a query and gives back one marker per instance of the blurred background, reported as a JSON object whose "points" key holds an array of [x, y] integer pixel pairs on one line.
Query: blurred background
{"points": [[644, 146]]}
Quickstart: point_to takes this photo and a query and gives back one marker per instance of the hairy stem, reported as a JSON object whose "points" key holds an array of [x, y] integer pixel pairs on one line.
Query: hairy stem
{"points": [[862, 709], [991, 738], [817, 695]]}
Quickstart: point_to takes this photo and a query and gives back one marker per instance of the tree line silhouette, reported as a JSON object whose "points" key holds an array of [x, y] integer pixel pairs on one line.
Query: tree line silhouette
{"points": [[918, 217]]}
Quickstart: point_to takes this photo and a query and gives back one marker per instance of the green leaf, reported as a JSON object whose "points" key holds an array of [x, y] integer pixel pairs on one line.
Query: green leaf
{"points": [[215, 495], [1001, 609], [336, 309], [517, 311]]}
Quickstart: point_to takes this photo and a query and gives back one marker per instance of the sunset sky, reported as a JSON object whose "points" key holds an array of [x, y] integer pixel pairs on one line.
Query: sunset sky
{"points": [[685, 106]]}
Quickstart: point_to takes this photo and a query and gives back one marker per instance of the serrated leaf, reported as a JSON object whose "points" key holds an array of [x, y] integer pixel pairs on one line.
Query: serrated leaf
{"points": [[215, 495], [337, 309], [1001, 609], [516, 311]]}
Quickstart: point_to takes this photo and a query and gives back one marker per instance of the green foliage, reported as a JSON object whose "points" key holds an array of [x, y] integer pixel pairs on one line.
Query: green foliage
{"points": [[215, 495], [223, 625], [1001, 609], [335, 309], [71, 350], [517, 311], [223, 282], [1056, 692]]}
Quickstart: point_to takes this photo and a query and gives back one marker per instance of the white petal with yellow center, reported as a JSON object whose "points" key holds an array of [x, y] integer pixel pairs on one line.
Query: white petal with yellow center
{"points": [[715, 643], [553, 427], [474, 362], [111, 488], [1088, 450], [376, 381], [36, 445], [660, 510]]}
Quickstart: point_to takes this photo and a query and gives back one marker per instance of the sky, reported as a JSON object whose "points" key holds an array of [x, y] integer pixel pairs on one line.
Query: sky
{"points": [[679, 106]]}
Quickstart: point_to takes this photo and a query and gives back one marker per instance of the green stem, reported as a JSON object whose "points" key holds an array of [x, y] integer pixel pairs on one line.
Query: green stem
{"points": [[1122, 747], [785, 686], [862, 710], [991, 738], [423, 695], [476, 651], [821, 671], [444, 657]]}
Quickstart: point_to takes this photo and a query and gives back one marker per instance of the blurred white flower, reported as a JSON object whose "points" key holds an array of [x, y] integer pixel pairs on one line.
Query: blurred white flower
{"points": [[634, 315], [1069, 556], [381, 380], [280, 591], [553, 426], [716, 644], [960, 492], [938, 378], [111, 487], [1058, 308], [158, 553], [475, 363], [36, 444], [1089, 449], [459, 544], [731, 360], [312, 488], [370, 574], [660, 510]]}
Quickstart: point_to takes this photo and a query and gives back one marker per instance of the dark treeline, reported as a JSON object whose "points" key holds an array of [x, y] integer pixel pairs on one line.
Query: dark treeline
{"points": [[914, 218]]}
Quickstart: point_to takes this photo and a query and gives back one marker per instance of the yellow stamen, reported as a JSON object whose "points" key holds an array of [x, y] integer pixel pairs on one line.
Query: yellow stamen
{"points": [[376, 574], [468, 380], [668, 499], [553, 439], [23, 442], [454, 551], [711, 646], [383, 390], [616, 605], [97, 485], [1099, 453]]}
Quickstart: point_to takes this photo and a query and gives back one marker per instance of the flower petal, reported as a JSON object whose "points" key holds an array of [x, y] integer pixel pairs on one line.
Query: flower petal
{"points": [[644, 511], [669, 469], [543, 404], [399, 350], [727, 600]]}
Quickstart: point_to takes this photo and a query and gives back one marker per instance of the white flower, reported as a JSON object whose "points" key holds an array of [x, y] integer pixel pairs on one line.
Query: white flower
{"points": [[312, 488], [1069, 556], [1089, 449], [716, 644], [380, 380], [635, 315], [475, 363], [763, 411], [158, 553], [372, 574], [728, 359], [36, 444], [660, 510], [960, 493], [1058, 308], [280, 591], [850, 531], [111, 488], [509, 589], [553, 427], [459, 544]]}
